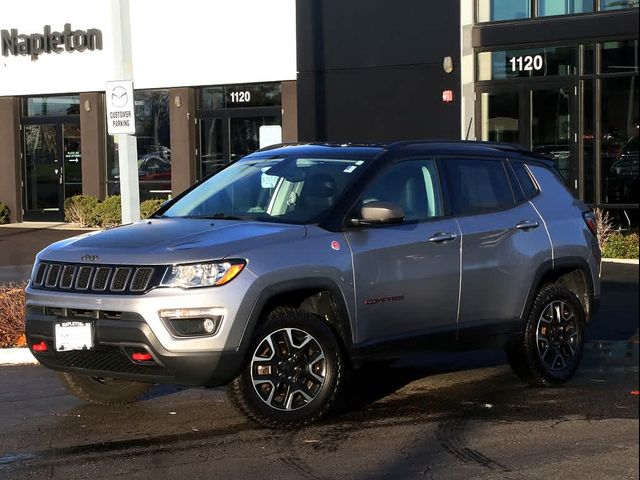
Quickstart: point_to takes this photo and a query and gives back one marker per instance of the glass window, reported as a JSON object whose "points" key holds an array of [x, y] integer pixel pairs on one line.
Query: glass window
{"points": [[588, 59], [494, 10], [238, 96], [476, 186], [588, 137], [500, 114], [52, 106], [619, 144], [617, 4], [283, 190], [531, 62], [524, 180], [412, 185], [620, 57], [154, 146], [563, 7]]}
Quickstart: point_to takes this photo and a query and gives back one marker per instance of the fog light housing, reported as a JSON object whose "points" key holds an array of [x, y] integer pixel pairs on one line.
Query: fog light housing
{"points": [[193, 322]]}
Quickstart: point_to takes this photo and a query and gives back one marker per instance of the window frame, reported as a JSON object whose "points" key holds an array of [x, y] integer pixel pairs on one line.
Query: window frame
{"points": [[351, 211]]}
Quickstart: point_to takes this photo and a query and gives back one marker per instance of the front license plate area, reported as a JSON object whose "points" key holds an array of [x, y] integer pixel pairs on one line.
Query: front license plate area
{"points": [[73, 336]]}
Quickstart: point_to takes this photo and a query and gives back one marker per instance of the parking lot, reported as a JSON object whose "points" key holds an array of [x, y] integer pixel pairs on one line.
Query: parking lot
{"points": [[436, 416]]}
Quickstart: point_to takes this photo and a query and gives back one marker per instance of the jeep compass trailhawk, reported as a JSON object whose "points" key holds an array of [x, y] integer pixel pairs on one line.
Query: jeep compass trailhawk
{"points": [[294, 265]]}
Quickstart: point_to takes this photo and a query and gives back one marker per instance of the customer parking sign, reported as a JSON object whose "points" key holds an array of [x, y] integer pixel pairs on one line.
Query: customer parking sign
{"points": [[120, 108]]}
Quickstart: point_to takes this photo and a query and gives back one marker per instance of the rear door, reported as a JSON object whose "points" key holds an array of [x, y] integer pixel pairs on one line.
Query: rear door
{"points": [[503, 241], [406, 275]]}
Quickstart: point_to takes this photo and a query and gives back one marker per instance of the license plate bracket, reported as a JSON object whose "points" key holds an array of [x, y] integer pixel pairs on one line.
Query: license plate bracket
{"points": [[74, 335]]}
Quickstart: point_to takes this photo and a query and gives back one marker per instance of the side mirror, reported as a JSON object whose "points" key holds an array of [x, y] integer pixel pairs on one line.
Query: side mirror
{"points": [[380, 213]]}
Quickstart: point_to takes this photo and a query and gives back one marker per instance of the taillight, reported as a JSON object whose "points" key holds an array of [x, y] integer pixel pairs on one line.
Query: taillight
{"points": [[590, 220]]}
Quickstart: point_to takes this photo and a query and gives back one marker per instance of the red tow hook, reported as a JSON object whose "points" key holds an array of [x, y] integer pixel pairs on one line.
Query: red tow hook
{"points": [[40, 347]]}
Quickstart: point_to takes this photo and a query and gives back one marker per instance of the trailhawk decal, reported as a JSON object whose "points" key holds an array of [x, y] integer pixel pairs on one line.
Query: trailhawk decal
{"points": [[378, 301]]}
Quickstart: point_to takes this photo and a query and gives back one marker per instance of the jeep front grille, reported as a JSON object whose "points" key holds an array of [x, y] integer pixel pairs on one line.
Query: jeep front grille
{"points": [[116, 279]]}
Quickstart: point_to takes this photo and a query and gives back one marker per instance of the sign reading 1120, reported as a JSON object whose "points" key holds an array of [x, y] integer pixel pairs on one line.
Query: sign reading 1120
{"points": [[527, 63]]}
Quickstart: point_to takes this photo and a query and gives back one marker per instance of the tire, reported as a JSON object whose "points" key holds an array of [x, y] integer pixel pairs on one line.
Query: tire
{"points": [[298, 381], [550, 350], [103, 391]]}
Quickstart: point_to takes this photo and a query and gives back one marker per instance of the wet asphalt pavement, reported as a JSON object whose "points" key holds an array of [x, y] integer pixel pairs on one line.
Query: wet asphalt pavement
{"points": [[461, 416]]}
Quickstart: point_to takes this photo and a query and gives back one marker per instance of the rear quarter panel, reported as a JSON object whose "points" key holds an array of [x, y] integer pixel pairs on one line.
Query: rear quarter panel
{"points": [[562, 214]]}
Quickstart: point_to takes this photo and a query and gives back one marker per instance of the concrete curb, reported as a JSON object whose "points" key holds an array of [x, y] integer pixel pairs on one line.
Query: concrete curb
{"points": [[16, 356], [628, 261]]}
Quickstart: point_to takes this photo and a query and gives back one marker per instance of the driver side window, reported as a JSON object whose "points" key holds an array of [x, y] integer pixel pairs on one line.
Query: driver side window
{"points": [[412, 185]]}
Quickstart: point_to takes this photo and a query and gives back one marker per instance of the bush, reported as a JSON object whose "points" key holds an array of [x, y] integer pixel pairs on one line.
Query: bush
{"points": [[619, 245], [81, 209], [4, 213], [12, 315], [108, 212], [149, 207]]}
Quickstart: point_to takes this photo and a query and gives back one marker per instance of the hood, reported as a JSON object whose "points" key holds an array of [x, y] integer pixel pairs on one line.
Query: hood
{"points": [[168, 241]]}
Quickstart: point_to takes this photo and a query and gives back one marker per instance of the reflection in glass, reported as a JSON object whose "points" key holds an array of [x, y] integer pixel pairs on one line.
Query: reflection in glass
{"points": [[72, 153], [563, 7], [588, 144], [244, 134], [494, 10], [618, 4], [620, 57], [551, 126], [211, 147], [619, 142], [154, 146], [52, 105], [500, 117]]}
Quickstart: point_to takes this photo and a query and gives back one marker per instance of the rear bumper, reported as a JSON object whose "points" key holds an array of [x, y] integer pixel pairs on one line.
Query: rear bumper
{"points": [[114, 342]]}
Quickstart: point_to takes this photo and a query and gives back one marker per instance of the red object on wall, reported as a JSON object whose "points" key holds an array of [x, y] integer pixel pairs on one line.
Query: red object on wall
{"points": [[447, 96]]}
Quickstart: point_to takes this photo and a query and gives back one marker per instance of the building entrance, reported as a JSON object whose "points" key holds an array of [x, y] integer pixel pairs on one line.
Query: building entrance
{"points": [[540, 116], [52, 168]]}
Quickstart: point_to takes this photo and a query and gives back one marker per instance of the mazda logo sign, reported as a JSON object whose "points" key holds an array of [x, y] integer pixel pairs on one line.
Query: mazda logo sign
{"points": [[89, 258]]}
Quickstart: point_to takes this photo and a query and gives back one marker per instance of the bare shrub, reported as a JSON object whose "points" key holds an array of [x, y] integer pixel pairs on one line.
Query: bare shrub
{"points": [[12, 315], [604, 223]]}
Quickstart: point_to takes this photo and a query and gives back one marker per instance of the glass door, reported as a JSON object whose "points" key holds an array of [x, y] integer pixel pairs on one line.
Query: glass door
{"points": [[552, 128], [52, 169]]}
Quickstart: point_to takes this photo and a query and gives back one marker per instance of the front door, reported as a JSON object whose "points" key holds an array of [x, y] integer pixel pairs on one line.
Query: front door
{"points": [[52, 169], [407, 276], [230, 134]]}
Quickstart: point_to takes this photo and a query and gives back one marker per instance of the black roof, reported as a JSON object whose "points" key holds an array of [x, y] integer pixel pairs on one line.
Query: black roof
{"points": [[442, 147]]}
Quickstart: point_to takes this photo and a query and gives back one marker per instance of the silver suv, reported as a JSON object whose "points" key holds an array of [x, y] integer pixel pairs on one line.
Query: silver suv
{"points": [[291, 267]]}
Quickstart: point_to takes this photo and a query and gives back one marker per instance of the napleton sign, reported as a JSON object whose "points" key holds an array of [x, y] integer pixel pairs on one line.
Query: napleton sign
{"points": [[14, 43]]}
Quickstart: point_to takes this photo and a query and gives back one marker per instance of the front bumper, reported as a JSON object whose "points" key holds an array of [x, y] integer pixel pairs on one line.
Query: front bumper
{"points": [[114, 341]]}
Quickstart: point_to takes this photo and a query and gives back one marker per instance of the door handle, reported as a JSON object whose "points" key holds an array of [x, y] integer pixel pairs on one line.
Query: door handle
{"points": [[527, 225], [442, 237]]}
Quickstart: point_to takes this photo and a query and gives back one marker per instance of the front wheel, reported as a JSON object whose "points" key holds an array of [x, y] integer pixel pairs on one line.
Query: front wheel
{"points": [[549, 352], [295, 372], [103, 391]]}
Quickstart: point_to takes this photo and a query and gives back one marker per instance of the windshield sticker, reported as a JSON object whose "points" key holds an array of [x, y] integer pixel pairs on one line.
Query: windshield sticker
{"points": [[268, 181], [350, 169]]}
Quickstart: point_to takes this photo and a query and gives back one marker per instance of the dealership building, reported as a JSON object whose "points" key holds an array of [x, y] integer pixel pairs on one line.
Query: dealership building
{"points": [[215, 80]]}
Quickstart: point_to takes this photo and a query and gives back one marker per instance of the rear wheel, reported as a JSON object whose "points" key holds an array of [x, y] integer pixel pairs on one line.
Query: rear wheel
{"points": [[294, 374], [549, 352], [103, 391]]}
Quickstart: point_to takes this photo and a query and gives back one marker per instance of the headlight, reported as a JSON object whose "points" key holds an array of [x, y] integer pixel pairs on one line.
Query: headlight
{"points": [[202, 274]]}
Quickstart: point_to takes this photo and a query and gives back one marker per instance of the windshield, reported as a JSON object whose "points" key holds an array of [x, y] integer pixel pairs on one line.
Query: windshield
{"points": [[286, 190]]}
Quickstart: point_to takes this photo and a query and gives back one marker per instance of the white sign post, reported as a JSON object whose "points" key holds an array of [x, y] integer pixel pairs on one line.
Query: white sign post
{"points": [[120, 104]]}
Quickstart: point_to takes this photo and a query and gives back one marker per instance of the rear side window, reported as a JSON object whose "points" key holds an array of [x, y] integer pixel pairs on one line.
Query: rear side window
{"points": [[477, 185], [524, 179]]}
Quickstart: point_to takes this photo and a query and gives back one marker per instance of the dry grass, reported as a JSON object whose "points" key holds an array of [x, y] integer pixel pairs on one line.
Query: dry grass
{"points": [[12, 315], [604, 223]]}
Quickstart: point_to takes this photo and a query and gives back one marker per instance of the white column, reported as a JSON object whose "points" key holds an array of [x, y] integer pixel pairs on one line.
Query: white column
{"points": [[127, 146], [467, 71]]}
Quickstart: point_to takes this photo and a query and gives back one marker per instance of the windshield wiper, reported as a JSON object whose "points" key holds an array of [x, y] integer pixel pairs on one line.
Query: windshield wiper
{"points": [[219, 216]]}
